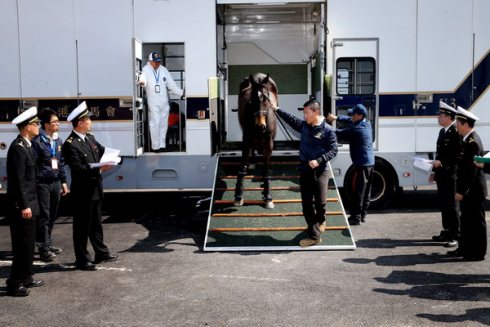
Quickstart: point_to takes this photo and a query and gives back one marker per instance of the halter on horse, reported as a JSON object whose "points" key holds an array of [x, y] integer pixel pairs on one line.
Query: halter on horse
{"points": [[258, 94]]}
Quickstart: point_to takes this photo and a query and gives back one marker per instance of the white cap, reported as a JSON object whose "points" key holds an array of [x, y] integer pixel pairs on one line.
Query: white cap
{"points": [[27, 117], [79, 112], [445, 108], [465, 114]]}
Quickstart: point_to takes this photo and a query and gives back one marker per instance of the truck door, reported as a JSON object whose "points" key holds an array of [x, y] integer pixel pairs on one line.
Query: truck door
{"points": [[138, 108], [355, 77]]}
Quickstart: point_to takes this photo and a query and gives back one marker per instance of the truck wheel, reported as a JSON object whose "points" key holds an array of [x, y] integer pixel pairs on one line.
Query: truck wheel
{"points": [[384, 185]]}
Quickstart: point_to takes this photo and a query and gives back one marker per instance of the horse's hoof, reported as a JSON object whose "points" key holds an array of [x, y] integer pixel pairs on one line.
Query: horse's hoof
{"points": [[269, 205], [238, 203]]}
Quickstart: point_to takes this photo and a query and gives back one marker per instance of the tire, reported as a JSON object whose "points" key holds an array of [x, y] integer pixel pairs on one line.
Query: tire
{"points": [[384, 185]]}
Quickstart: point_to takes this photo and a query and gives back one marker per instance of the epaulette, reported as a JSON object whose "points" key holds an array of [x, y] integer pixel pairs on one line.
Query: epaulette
{"points": [[471, 140], [20, 143], [70, 139]]}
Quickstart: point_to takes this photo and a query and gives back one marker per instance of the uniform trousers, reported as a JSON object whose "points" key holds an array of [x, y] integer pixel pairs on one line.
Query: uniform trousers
{"points": [[314, 191], [473, 240], [87, 225], [23, 233], [48, 196], [449, 207]]}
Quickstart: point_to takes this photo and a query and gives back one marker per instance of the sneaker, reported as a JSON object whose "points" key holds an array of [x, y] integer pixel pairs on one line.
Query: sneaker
{"points": [[308, 242], [322, 227], [47, 256], [55, 249], [451, 244]]}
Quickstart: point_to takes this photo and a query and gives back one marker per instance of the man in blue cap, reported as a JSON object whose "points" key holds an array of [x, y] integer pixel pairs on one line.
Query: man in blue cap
{"points": [[360, 137], [22, 205]]}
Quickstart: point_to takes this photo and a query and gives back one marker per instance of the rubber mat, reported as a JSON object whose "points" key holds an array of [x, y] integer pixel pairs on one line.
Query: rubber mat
{"points": [[252, 227]]}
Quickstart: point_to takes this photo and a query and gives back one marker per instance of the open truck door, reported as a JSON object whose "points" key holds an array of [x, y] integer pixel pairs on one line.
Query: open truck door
{"points": [[139, 116]]}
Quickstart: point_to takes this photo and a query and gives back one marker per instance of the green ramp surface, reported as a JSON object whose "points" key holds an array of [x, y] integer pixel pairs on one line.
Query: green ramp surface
{"points": [[252, 227]]}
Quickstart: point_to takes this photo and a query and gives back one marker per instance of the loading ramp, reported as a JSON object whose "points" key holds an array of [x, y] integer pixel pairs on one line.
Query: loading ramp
{"points": [[252, 227]]}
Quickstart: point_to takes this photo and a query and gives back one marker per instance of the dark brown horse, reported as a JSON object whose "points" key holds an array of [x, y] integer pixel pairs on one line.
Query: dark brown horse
{"points": [[258, 94]]}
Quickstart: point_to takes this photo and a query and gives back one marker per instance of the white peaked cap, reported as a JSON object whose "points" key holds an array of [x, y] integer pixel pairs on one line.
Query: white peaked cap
{"points": [[444, 107], [79, 112], [28, 116], [465, 114]]}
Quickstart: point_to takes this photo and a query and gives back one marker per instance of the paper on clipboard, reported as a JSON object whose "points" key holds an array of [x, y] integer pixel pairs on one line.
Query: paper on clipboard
{"points": [[109, 158], [422, 163]]}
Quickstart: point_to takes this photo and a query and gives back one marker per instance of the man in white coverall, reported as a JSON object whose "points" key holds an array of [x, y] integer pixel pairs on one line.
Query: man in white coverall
{"points": [[157, 81]]}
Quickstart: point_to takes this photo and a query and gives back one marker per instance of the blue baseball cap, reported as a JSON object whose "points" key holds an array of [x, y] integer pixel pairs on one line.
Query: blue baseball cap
{"points": [[154, 56], [358, 109]]}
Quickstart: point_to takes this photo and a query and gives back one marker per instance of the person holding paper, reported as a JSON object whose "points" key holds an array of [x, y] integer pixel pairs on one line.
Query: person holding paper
{"points": [[51, 181], [157, 82], [471, 190], [79, 150], [444, 174]]}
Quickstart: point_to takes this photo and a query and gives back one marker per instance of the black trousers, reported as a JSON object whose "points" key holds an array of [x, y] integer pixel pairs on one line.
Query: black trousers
{"points": [[446, 189], [23, 233], [48, 196], [473, 240], [363, 180], [87, 225], [314, 191]]}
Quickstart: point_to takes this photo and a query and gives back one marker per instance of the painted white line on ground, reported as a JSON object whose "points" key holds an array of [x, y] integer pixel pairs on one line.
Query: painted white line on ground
{"points": [[5, 263], [263, 279]]}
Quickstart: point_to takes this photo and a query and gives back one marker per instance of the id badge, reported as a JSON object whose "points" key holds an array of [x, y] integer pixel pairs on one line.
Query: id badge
{"points": [[54, 163], [157, 88]]}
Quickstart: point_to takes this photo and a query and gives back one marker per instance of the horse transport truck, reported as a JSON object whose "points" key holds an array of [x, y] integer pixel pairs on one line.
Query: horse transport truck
{"points": [[398, 58]]}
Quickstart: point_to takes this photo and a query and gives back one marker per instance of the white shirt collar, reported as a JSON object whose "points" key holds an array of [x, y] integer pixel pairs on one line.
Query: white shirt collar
{"points": [[82, 136], [28, 142], [466, 136], [447, 127]]}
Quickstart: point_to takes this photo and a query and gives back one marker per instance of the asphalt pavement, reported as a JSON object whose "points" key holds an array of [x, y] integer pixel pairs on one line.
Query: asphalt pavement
{"points": [[396, 277]]}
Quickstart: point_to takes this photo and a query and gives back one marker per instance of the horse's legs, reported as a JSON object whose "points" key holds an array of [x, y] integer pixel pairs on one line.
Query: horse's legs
{"points": [[242, 171], [266, 176]]}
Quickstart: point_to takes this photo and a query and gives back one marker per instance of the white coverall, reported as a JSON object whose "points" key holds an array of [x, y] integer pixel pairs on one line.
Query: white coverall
{"points": [[158, 103]]}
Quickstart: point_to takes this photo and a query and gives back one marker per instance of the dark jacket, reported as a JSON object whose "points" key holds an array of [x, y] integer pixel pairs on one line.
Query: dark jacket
{"points": [[317, 142], [43, 154], [448, 151], [471, 179], [21, 176], [86, 182], [359, 134]]}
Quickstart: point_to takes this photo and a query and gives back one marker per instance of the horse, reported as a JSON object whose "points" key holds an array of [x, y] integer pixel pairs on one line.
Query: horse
{"points": [[258, 94]]}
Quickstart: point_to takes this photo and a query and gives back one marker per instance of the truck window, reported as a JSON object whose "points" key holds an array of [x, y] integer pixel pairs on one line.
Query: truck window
{"points": [[355, 76]]}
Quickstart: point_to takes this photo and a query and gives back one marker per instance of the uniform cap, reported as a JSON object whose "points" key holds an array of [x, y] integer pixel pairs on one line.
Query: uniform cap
{"points": [[446, 109], [27, 117], [154, 56], [466, 115], [79, 112], [358, 109]]}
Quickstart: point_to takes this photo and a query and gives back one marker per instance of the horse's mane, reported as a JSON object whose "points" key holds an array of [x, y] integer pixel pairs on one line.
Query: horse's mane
{"points": [[257, 78]]}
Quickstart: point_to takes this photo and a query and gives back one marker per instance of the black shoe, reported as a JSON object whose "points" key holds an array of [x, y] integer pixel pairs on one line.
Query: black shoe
{"points": [[86, 266], [34, 283], [440, 238], [105, 258], [47, 256], [55, 249], [455, 253], [451, 244], [18, 291], [354, 221], [363, 219]]}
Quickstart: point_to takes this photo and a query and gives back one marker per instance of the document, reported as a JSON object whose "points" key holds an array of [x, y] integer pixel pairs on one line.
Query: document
{"points": [[422, 163], [485, 159], [109, 158]]}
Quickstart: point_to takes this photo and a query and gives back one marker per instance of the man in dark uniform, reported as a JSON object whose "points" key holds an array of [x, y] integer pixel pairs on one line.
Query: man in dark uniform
{"points": [[22, 204], [471, 190], [360, 136], [318, 145], [444, 174], [79, 150]]}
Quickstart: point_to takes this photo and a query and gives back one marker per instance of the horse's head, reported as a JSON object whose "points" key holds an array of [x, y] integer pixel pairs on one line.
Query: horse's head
{"points": [[263, 96]]}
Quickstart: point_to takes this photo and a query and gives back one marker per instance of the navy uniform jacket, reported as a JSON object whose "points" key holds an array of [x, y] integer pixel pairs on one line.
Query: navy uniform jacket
{"points": [[317, 142], [359, 134], [86, 182], [21, 176], [448, 150], [471, 179], [43, 154]]}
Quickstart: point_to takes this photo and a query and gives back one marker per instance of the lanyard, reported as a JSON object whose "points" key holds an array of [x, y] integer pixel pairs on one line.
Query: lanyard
{"points": [[52, 145], [157, 76]]}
